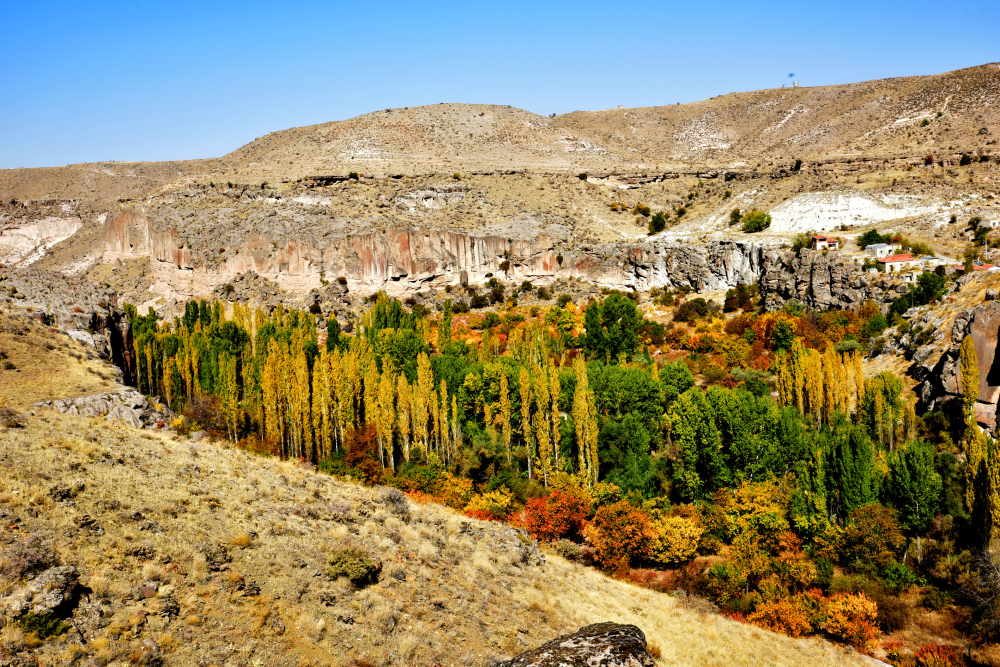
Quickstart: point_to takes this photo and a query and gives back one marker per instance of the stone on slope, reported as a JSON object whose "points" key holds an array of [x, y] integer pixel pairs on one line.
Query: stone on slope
{"points": [[604, 644]]}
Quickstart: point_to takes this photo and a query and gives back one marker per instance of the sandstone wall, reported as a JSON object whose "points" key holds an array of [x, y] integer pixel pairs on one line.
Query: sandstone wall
{"points": [[405, 259]]}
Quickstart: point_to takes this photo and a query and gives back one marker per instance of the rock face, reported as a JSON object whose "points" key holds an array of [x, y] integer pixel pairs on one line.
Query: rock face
{"points": [[127, 406], [51, 592], [86, 312], [940, 376], [818, 281], [603, 644], [405, 259]]}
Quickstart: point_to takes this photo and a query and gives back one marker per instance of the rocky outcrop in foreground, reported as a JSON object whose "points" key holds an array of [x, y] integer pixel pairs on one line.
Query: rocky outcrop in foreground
{"points": [[127, 406], [605, 644]]}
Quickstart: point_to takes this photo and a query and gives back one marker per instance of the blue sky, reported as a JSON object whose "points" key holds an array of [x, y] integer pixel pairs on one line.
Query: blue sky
{"points": [[84, 82]]}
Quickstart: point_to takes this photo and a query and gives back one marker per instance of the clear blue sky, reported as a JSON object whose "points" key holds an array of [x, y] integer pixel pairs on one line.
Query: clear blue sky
{"points": [[84, 82]]}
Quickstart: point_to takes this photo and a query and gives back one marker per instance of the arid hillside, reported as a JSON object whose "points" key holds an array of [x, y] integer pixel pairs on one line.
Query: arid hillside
{"points": [[229, 561], [875, 118]]}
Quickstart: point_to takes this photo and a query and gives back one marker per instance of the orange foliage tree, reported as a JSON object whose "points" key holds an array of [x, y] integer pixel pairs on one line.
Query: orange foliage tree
{"points": [[560, 514], [620, 533]]}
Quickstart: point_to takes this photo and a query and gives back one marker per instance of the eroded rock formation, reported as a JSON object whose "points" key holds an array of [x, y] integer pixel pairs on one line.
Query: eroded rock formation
{"points": [[606, 644], [821, 281], [403, 259]]}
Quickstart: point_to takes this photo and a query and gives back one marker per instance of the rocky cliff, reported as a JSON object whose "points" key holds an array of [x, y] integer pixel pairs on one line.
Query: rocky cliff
{"points": [[821, 281], [404, 259], [939, 374]]}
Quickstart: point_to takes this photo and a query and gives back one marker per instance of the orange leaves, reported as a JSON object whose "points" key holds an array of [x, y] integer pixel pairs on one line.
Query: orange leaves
{"points": [[619, 533], [851, 618], [560, 514]]}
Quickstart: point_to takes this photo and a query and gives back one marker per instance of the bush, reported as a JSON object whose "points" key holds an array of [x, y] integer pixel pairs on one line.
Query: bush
{"points": [[582, 176], [354, 564], [851, 618], [792, 616], [966, 159], [691, 310], [526, 286], [563, 300], [735, 216], [939, 655], [479, 301], [543, 294], [641, 209], [43, 626], [567, 549], [756, 221], [657, 223], [724, 582], [621, 533], [676, 540], [899, 578], [559, 515], [495, 505], [870, 539]]}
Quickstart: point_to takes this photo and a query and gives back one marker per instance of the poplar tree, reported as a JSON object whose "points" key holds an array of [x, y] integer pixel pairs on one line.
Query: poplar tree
{"points": [[385, 417], [524, 393], [403, 414], [505, 415], [585, 421]]}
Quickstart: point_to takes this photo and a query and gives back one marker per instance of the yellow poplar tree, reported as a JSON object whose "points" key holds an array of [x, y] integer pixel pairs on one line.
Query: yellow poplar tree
{"points": [[403, 414], [505, 415], [585, 421]]}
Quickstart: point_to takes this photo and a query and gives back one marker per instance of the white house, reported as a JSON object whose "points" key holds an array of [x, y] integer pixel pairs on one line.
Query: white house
{"points": [[881, 250], [825, 243], [896, 263]]}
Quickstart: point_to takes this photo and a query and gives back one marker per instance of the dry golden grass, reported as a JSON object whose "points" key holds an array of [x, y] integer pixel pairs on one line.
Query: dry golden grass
{"points": [[453, 590], [45, 364]]}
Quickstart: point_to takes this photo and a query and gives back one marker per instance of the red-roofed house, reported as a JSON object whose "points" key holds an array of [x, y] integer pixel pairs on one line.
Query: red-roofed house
{"points": [[895, 263], [825, 243]]}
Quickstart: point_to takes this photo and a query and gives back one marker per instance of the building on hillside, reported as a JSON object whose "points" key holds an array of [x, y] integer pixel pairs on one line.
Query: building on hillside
{"points": [[825, 243], [909, 276], [881, 250], [896, 263]]}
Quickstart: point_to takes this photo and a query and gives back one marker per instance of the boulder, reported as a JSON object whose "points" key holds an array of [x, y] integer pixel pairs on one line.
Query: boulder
{"points": [[45, 594], [605, 644]]}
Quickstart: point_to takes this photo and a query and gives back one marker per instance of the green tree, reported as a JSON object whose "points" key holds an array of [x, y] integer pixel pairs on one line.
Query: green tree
{"points": [[756, 221], [699, 467], [618, 332], [852, 478], [913, 486], [657, 223]]}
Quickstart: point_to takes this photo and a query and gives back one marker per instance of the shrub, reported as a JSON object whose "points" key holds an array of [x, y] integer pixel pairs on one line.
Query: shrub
{"points": [[343, 280], [582, 176], [567, 549], [229, 288], [362, 454], [543, 294], [851, 618], [354, 564], [621, 533], [43, 626], [657, 223], [756, 221], [526, 286], [676, 540], [641, 209], [564, 300], [28, 556], [479, 301], [939, 655], [899, 577], [724, 582], [966, 159], [871, 539], [495, 505], [353, 175], [735, 216], [561, 514], [788, 615]]}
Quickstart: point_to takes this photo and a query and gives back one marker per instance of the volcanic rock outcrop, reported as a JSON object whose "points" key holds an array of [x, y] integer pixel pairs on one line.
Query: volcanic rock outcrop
{"points": [[940, 376], [820, 281], [402, 259], [607, 644]]}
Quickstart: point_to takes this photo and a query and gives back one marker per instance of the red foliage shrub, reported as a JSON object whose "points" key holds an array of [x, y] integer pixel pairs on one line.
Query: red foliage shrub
{"points": [[482, 515], [560, 514], [620, 533], [939, 655], [362, 454]]}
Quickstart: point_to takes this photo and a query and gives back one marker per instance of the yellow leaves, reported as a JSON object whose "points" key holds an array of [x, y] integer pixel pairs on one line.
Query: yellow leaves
{"points": [[676, 539], [497, 503]]}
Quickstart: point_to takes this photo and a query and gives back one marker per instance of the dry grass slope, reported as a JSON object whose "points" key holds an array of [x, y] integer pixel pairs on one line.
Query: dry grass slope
{"points": [[191, 532]]}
